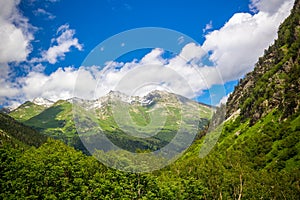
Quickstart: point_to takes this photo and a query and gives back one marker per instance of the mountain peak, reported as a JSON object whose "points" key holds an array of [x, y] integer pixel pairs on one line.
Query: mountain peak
{"points": [[159, 92], [42, 102]]}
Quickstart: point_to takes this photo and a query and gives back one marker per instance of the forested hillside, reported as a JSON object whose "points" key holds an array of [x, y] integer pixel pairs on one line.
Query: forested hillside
{"points": [[12, 130], [256, 157]]}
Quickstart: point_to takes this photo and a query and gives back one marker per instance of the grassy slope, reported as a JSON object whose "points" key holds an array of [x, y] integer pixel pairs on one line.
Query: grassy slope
{"points": [[264, 157], [258, 154], [27, 111]]}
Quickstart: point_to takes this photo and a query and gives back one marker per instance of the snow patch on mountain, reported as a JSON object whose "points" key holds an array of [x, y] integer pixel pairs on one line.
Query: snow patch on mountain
{"points": [[42, 102]]}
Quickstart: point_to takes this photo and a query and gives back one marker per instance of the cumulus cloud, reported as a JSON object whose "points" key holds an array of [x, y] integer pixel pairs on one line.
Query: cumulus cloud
{"points": [[15, 33], [237, 45], [177, 74], [192, 52], [154, 57], [150, 73], [15, 36], [58, 85], [61, 45], [233, 50]]}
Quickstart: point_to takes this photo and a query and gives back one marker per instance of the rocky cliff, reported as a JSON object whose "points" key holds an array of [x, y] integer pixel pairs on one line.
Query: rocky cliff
{"points": [[274, 82]]}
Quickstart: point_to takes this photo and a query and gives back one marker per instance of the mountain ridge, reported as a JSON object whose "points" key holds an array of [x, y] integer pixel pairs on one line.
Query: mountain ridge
{"points": [[57, 121], [41, 101]]}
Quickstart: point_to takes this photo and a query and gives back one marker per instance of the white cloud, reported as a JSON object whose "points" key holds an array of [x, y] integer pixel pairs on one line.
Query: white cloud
{"points": [[15, 33], [8, 89], [64, 42], [234, 50], [191, 52], [154, 57], [208, 27], [15, 37], [177, 74], [58, 85], [43, 12], [238, 44], [223, 100], [267, 6]]}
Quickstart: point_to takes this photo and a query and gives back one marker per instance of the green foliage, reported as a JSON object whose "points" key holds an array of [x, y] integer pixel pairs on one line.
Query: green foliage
{"points": [[262, 161], [256, 157], [18, 131], [258, 161], [55, 171]]}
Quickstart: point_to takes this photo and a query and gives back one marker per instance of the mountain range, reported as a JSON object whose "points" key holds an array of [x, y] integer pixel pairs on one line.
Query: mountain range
{"points": [[256, 156], [56, 119]]}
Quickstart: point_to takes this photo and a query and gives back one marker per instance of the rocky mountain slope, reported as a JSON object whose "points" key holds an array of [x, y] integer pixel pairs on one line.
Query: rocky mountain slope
{"points": [[274, 82]]}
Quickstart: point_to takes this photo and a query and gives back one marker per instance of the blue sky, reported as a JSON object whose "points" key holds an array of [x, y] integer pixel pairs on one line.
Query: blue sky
{"points": [[46, 41], [95, 21]]}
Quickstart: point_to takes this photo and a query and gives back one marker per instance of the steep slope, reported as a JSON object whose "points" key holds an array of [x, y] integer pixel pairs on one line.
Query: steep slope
{"points": [[56, 121], [258, 153], [14, 132], [274, 83]]}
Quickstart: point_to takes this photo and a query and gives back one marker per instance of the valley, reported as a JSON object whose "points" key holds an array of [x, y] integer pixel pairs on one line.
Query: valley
{"points": [[256, 154]]}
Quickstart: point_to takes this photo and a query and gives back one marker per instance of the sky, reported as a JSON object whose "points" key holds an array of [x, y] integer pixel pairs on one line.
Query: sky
{"points": [[198, 49]]}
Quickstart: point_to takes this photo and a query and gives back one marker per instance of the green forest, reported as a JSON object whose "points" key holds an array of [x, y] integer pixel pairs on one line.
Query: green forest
{"points": [[256, 157]]}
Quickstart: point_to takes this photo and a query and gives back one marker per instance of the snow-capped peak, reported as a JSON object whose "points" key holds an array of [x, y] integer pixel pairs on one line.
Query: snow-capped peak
{"points": [[119, 95], [42, 102]]}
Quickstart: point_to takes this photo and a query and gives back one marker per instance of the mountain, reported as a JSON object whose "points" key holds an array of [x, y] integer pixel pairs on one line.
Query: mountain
{"points": [[57, 119], [274, 82], [30, 109], [17, 134], [42, 102], [257, 155], [26, 111]]}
